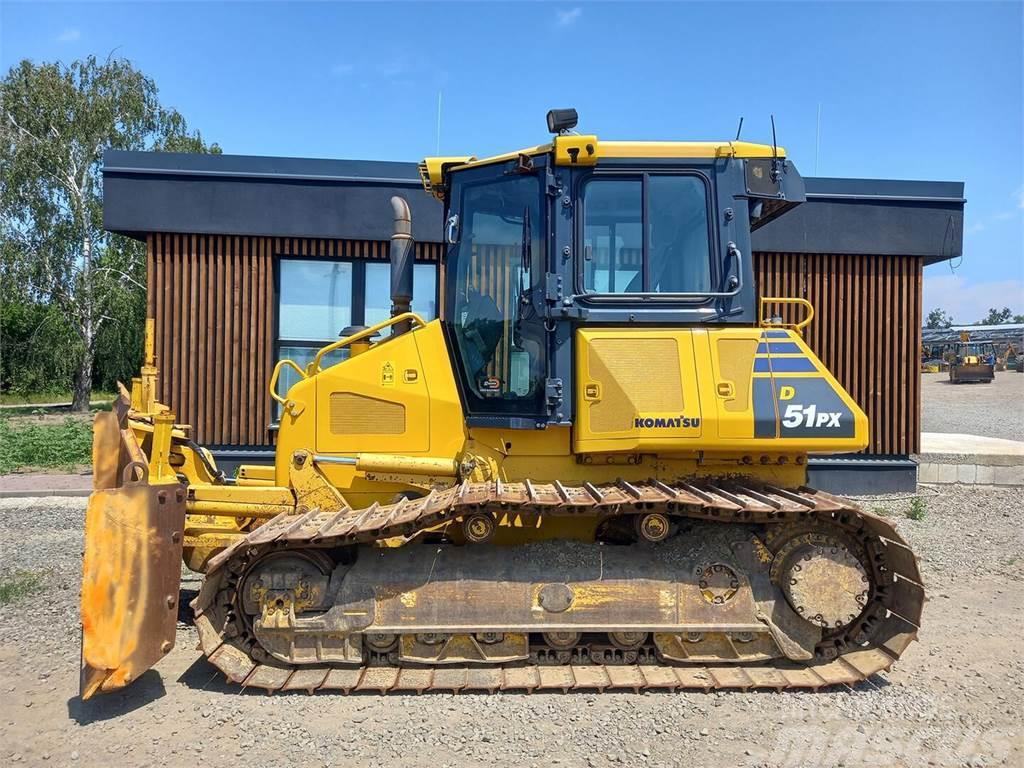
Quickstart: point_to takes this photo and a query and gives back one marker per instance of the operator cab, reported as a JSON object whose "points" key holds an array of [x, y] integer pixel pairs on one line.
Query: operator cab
{"points": [[581, 231]]}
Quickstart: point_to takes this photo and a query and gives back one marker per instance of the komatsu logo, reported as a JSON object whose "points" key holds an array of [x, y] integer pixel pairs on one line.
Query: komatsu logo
{"points": [[642, 422]]}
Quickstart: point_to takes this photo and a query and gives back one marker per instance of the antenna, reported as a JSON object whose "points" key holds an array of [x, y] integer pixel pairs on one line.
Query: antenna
{"points": [[739, 129], [775, 154], [439, 122]]}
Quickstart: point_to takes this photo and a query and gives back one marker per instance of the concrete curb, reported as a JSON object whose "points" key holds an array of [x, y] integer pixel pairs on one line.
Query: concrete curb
{"points": [[970, 460], [25, 493], [969, 474]]}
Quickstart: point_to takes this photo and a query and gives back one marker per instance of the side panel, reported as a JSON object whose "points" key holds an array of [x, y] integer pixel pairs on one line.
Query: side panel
{"points": [[637, 390], [709, 390], [397, 397], [374, 402]]}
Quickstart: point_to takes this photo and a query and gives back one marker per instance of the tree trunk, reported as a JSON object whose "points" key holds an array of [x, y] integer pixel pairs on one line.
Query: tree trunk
{"points": [[83, 383], [83, 376]]}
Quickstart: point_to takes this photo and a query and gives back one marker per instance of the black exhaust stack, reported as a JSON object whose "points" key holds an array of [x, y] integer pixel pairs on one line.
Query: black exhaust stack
{"points": [[402, 252]]}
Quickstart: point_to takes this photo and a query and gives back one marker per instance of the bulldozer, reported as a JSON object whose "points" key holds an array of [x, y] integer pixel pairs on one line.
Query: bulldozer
{"points": [[590, 472]]}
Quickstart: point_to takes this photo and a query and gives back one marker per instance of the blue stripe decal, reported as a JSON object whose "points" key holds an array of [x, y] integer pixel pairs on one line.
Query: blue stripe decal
{"points": [[779, 348], [774, 334], [784, 365]]}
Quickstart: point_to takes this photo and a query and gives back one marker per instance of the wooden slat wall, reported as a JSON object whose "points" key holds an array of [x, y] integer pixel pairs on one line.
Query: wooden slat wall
{"points": [[214, 303], [866, 329]]}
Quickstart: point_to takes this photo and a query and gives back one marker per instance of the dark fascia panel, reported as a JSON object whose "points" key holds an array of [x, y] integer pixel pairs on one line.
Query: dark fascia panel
{"points": [[885, 217], [349, 199], [265, 196]]}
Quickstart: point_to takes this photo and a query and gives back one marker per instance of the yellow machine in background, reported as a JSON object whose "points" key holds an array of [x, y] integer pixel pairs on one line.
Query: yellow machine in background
{"points": [[588, 473], [972, 361]]}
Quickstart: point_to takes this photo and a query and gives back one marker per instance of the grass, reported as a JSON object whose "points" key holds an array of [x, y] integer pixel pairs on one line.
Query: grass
{"points": [[14, 398], [881, 511], [61, 445], [918, 509], [14, 586]]}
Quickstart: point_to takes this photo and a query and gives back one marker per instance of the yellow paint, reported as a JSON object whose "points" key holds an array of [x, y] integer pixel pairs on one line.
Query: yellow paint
{"points": [[565, 148], [660, 395]]}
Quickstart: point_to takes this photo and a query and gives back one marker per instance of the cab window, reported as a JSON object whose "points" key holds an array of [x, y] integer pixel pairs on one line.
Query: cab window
{"points": [[647, 234]]}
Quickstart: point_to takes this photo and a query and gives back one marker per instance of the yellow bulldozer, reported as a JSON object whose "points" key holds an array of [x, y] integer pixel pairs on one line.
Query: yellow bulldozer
{"points": [[588, 473]]}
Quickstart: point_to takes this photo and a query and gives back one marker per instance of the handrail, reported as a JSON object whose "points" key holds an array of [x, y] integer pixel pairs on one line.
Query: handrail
{"points": [[277, 372], [314, 367], [798, 327]]}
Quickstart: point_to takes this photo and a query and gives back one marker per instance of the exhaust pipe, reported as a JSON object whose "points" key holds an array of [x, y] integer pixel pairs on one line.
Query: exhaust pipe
{"points": [[402, 253]]}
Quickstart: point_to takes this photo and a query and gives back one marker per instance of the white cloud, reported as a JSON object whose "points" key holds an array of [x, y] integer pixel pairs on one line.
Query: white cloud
{"points": [[1020, 197], [973, 227], [969, 303], [569, 17], [1003, 215], [69, 35], [342, 70]]}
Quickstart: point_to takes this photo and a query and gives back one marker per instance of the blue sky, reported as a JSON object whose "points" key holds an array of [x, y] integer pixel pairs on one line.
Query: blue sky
{"points": [[914, 91]]}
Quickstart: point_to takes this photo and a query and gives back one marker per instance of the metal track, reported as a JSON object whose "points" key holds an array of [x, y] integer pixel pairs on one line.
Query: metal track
{"points": [[890, 621]]}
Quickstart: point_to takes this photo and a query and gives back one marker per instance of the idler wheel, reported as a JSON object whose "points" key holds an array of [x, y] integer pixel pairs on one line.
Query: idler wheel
{"points": [[825, 582]]}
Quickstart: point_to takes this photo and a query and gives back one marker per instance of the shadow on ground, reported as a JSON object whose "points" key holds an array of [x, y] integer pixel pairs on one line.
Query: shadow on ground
{"points": [[108, 706]]}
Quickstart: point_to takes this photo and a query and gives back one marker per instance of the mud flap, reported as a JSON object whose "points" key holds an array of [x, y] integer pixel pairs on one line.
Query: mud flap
{"points": [[131, 571]]}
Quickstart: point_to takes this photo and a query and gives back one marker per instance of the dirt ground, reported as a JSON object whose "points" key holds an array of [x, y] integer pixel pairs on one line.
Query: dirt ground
{"points": [[989, 410], [954, 698]]}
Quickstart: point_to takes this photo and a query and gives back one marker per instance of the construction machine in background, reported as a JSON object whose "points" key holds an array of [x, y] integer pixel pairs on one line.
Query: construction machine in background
{"points": [[588, 473], [972, 361]]}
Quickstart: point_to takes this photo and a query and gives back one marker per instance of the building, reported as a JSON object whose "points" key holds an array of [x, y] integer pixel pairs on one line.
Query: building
{"points": [[251, 259]]}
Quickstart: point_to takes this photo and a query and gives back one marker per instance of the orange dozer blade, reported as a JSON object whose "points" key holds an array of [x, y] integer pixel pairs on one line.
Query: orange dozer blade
{"points": [[131, 572]]}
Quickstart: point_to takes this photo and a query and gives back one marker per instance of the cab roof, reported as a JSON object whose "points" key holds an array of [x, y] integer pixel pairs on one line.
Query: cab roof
{"points": [[576, 149]]}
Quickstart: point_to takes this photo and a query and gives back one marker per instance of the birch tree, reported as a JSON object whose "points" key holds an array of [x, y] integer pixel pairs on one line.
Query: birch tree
{"points": [[56, 120]]}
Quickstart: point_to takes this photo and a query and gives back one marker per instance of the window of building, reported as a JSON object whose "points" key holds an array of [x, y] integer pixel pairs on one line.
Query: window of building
{"points": [[319, 298], [378, 292], [646, 234]]}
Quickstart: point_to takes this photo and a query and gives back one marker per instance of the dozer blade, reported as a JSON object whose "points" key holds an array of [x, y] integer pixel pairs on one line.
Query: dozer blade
{"points": [[132, 566]]}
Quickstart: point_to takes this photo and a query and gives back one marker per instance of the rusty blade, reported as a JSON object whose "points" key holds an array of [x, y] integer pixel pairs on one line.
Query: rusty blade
{"points": [[130, 579]]}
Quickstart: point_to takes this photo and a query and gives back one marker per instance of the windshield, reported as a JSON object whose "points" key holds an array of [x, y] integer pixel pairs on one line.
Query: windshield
{"points": [[493, 274]]}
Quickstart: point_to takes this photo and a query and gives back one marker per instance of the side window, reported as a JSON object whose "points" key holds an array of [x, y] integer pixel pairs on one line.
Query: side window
{"points": [[679, 253], [613, 236], [646, 235]]}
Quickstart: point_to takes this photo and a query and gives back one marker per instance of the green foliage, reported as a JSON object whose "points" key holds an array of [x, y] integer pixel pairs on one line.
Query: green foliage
{"points": [[63, 445], [918, 509], [997, 316], [880, 511], [39, 349], [14, 586], [939, 318], [56, 121]]}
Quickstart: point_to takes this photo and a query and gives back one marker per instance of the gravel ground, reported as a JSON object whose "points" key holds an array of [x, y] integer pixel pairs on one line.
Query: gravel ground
{"points": [[989, 410], [954, 699]]}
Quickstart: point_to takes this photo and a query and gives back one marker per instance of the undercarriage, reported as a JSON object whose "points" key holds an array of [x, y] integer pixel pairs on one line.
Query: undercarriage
{"points": [[699, 584]]}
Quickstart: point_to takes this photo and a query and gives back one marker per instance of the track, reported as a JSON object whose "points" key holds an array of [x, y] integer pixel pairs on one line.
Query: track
{"points": [[871, 644]]}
